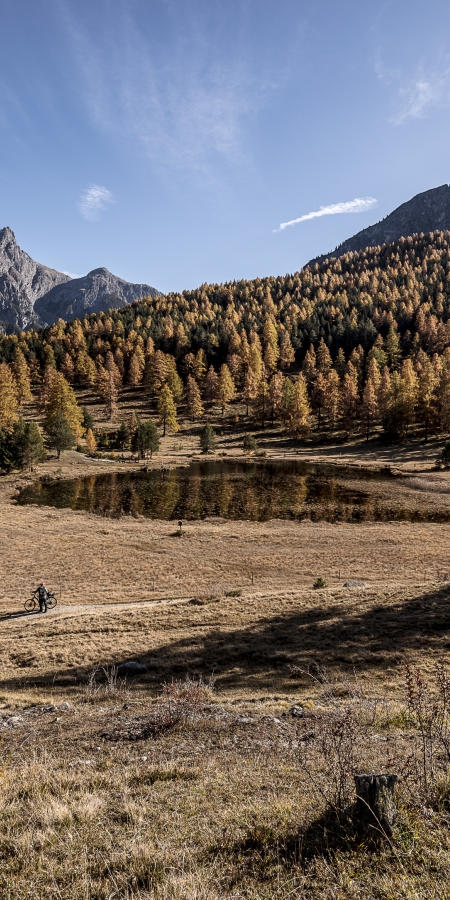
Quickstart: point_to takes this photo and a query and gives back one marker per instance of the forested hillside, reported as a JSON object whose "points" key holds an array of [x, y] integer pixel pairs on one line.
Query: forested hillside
{"points": [[353, 344]]}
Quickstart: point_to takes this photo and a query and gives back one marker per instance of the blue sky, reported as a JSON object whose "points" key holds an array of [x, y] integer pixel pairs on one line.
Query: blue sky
{"points": [[168, 140]]}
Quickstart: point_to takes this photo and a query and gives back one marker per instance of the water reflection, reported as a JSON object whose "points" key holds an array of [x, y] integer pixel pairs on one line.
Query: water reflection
{"points": [[231, 490]]}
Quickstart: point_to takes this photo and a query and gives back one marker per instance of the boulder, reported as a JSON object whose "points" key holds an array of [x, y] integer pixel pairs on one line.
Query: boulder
{"points": [[131, 667]]}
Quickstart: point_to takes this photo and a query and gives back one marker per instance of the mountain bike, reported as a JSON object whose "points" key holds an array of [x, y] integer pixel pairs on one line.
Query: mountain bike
{"points": [[33, 602]]}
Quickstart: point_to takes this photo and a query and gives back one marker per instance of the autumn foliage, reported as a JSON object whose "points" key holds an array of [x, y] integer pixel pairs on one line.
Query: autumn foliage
{"points": [[355, 345]]}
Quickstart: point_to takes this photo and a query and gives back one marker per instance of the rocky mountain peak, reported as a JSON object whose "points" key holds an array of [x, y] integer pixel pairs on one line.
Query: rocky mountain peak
{"points": [[22, 282], [31, 294], [428, 211]]}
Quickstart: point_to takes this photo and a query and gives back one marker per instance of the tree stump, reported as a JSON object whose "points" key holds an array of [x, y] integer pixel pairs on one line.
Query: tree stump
{"points": [[375, 801]]}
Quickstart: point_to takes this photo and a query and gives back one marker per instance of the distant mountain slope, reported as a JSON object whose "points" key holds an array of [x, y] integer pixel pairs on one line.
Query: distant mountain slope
{"points": [[22, 282], [32, 295], [97, 291], [429, 211]]}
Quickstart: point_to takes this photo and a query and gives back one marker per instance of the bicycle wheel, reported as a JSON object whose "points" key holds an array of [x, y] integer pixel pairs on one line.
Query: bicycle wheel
{"points": [[30, 604], [51, 601]]}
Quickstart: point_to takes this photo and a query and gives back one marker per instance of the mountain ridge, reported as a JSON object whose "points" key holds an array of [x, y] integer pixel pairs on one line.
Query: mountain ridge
{"points": [[22, 282], [35, 295], [425, 212]]}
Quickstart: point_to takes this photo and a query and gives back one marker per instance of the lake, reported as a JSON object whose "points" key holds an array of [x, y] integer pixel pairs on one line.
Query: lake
{"points": [[247, 490]]}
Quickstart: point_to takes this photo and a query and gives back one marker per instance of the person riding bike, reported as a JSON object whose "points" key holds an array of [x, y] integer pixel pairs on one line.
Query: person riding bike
{"points": [[42, 593]]}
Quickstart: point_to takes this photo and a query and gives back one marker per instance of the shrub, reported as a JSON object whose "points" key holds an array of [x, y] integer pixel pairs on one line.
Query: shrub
{"points": [[22, 447], [444, 456], [208, 439], [319, 583], [249, 444]]}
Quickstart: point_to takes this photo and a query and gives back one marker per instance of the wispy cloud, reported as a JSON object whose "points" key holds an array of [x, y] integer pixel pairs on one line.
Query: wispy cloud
{"points": [[418, 96], [358, 205], [422, 95], [93, 200], [187, 104]]}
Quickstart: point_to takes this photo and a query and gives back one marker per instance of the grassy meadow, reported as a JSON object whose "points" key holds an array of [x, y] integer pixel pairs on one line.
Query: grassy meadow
{"points": [[226, 769]]}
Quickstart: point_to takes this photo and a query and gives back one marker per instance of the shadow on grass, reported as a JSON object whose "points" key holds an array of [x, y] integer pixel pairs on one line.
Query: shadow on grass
{"points": [[20, 614], [261, 852], [378, 637]]}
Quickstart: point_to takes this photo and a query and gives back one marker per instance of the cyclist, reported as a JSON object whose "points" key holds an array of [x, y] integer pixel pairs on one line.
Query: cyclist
{"points": [[42, 594]]}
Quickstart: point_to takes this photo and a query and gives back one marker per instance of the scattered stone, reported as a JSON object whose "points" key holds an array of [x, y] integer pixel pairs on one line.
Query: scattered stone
{"points": [[352, 584], [296, 711], [131, 667], [65, 706], [14, 720]]}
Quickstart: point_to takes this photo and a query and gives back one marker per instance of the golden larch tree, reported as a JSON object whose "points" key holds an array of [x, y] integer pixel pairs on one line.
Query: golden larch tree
{"points": [[9, 398]]}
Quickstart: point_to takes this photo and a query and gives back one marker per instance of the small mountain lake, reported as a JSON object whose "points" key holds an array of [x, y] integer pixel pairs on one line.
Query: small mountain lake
{"points": [[247, 490]]}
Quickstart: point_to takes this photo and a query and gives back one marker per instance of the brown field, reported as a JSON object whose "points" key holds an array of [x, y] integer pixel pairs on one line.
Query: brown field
{"points": [[106, 798]]}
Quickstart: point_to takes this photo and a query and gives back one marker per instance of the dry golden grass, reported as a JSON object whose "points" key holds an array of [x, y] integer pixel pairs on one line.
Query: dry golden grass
{"points": [[218, 806]]}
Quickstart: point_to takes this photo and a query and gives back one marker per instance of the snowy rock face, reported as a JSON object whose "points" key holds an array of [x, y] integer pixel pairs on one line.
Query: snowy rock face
{"points": [[32, 295], [22, 282], [429, 211]]}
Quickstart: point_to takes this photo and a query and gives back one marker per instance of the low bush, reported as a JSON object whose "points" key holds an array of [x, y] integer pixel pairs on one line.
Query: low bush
{"points": [[319, 583]]}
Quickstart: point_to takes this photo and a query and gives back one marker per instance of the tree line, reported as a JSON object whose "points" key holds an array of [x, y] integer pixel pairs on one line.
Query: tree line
{"points": [[353, 344]]}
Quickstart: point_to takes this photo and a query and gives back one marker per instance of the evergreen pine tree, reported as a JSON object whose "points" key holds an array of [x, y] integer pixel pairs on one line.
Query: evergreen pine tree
{"points": [[123, 435], [60, 435], [26, 444], [146, 439], [208, 439]]}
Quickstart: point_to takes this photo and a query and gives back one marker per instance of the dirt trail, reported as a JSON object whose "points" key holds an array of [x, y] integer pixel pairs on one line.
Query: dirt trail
{"points": [[18, 618]]}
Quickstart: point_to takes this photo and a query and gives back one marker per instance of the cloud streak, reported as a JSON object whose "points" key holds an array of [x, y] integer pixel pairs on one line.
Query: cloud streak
{"points": [[358, 205], [93, 200], [187, 107]]}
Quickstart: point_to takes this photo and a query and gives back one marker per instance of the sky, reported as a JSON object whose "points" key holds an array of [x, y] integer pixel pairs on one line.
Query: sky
{"points": [[178, 142]]}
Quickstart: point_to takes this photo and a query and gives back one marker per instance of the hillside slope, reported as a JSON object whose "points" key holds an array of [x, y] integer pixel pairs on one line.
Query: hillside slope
{"points": [[429, 211]]}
